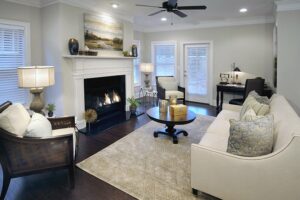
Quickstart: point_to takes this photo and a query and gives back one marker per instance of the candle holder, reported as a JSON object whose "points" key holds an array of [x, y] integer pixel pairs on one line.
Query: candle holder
{"points": [[163, 106], [173, 100]]}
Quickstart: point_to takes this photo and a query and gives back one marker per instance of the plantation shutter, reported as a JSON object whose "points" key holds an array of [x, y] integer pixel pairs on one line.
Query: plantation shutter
{"points": [[12, 56], [164, 59]]}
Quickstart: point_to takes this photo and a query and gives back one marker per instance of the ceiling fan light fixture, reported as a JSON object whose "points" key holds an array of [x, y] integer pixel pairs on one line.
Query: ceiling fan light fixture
{"points": [[115, 5], [243, 10], [163, 19]]}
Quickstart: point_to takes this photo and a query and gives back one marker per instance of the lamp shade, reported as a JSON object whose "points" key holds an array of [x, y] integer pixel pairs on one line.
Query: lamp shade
{"points": [[146, 67], [36, 76], [236, 69]]}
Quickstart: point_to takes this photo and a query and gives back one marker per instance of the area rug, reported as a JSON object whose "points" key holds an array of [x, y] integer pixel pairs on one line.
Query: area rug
{"points": [[147, 167]]}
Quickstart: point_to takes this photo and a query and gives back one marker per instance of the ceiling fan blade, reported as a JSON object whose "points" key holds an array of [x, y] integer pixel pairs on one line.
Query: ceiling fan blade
{"points": [[157, 12], [179, 13], [148, 6], [191, 7], [172, 3]]}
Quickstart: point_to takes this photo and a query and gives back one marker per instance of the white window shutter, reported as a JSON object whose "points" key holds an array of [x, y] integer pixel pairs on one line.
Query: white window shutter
{"points": [[12, 56], [164, 59]]}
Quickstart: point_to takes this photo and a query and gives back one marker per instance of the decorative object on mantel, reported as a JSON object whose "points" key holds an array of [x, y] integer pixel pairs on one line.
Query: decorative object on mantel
{"points": [[36, 78], [134, 103], [88, 53], [146, 68], [73, 46], [134, 51], [90, 116], [50, 107], [126, 53], [103, 32]]}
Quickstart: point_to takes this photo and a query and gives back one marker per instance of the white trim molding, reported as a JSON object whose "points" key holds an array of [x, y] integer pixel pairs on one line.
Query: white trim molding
{"points": [[288, 5], [208, 24]]}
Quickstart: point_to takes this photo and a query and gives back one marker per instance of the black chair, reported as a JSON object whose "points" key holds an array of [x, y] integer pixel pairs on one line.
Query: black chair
{"points": [[256, 84]]}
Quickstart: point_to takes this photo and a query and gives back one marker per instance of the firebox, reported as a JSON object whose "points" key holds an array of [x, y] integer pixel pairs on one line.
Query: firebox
{"points": [[107, 96]]}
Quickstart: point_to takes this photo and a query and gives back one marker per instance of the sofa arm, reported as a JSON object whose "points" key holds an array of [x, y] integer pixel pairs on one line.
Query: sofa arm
{"points": [[231, 107], [228, 176]]}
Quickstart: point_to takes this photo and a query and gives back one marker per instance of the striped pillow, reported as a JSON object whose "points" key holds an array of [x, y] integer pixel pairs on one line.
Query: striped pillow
{"points": [[259, 108]]}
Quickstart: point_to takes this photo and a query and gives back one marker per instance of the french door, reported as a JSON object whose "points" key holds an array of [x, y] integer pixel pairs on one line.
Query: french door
{"points": [[196, 72]]}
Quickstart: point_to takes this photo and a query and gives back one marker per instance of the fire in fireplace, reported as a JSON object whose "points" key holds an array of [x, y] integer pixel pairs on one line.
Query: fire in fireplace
{"points": [[107, 96]]}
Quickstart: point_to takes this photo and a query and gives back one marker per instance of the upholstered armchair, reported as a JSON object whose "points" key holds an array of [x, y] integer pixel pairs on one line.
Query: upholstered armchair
{"points": [[167, 86], [21, 156]]}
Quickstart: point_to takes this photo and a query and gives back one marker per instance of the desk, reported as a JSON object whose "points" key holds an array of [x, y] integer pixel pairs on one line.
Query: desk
{"points": [[235, 89]]}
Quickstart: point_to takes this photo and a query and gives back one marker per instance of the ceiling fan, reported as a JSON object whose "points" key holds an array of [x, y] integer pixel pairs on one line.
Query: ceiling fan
{"points": [[172, 6]]}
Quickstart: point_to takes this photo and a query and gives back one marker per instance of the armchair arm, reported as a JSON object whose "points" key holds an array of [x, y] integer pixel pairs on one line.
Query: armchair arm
{"points": [[25, 155], [181, 89], [161, 92], [62, 122]]}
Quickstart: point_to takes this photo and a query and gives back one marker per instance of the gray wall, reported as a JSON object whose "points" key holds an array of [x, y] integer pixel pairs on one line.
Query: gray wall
{"points": [[288, 70], [32, 15], [250, 46], [60, 23]]}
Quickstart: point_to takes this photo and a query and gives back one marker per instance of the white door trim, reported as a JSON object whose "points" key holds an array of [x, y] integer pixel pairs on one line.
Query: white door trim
{"points": [[210, 65]]}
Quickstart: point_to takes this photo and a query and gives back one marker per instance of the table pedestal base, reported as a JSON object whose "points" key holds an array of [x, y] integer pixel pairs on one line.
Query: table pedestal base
{"points": [[172, 132]]}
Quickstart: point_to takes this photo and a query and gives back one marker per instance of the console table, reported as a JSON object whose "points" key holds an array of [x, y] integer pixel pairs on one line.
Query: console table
{"points": [[235, 89]]}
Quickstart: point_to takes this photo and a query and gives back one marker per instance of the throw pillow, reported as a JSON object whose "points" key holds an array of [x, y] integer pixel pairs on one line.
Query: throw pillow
{"points": [[15, 119], [259, 108], [260, 99], [39, 126], [251, 138], [249, 115]]}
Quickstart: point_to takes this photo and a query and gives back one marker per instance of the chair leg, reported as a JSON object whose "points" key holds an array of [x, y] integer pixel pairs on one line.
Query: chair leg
{"points": [[6, 182], [72, 176]]}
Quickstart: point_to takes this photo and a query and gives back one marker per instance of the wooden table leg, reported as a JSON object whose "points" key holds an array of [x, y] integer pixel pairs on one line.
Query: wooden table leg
{"points": [[218, 108]]}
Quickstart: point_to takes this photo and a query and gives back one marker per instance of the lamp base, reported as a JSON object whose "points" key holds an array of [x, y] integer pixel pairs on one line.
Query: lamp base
{"points": [[147, 81], [37, 103]]}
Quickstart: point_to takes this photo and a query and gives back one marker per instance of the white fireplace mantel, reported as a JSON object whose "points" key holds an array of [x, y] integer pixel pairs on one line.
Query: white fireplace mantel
{"points": [[85, 67]]}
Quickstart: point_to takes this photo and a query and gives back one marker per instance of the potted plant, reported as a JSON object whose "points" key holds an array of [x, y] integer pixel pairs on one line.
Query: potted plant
{"points": [[134, 103], [50, 107]]}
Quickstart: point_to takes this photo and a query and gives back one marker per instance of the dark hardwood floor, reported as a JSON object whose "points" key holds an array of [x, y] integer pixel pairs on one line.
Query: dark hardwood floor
{"points": [[55, 186]]}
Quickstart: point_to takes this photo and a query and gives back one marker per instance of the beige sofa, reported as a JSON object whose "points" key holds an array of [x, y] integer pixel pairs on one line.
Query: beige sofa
{"points": [[226, 176]]}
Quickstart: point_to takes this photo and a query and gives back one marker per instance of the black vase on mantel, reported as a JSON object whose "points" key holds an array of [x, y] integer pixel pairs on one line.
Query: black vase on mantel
{"points": [[73, 46]]}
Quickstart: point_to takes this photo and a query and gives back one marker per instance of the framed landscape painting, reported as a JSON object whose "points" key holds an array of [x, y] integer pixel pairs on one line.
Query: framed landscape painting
{"points": [[103, 33]]}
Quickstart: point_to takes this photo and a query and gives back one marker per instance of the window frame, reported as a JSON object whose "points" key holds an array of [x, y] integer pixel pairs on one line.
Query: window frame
{"points": [[139, 46], [27, 43], [171, 42]]}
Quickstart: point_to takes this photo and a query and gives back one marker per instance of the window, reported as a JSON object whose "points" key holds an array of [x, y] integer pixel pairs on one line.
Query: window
{"points": [[136, 63], [12, 56], [164, 58]]}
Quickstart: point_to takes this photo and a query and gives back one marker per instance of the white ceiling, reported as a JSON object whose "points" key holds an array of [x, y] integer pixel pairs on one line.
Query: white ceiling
{"points": [[218, 11]]}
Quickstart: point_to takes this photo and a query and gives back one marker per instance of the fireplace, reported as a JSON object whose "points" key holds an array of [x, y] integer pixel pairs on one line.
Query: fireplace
{"points": [[107, 96]]}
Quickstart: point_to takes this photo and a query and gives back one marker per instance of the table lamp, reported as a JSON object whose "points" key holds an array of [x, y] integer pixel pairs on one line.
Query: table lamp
{"points": [[36, 78], [146, 68]]}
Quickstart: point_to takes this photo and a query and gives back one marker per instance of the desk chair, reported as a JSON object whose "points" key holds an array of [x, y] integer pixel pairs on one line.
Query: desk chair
{"points": [[256, 84]]}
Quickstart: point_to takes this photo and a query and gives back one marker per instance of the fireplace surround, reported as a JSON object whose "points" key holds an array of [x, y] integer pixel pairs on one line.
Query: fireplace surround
{"points": [[89, 67]]}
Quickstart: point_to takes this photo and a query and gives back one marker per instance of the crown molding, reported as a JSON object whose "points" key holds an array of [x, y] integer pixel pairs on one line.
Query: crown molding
{"points": [[288, 5], [207, 24], [32, 3]]}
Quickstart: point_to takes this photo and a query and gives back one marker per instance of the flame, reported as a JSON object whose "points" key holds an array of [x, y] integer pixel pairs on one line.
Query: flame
{"points": [[107, 100], [116, 97]]}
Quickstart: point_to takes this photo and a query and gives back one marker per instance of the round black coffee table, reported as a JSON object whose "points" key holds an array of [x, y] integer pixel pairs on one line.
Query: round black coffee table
{"points": [[170, 122]]}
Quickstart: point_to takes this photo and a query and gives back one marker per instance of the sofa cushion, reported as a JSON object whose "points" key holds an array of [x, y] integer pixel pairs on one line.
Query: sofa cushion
{"points": [[173, 92], [215, 141], [15, 119], [168, 83], [250, 115], [39, 126], [259, 108], [251, 138]]}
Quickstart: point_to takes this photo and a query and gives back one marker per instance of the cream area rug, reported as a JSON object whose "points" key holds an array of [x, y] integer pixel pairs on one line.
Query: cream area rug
{"points": [[150, 168]]}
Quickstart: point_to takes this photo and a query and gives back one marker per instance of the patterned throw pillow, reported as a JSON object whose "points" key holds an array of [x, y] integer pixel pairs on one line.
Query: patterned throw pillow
{"points": [[250, 115], [259, 108], [251, 138], [260, 99]]}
